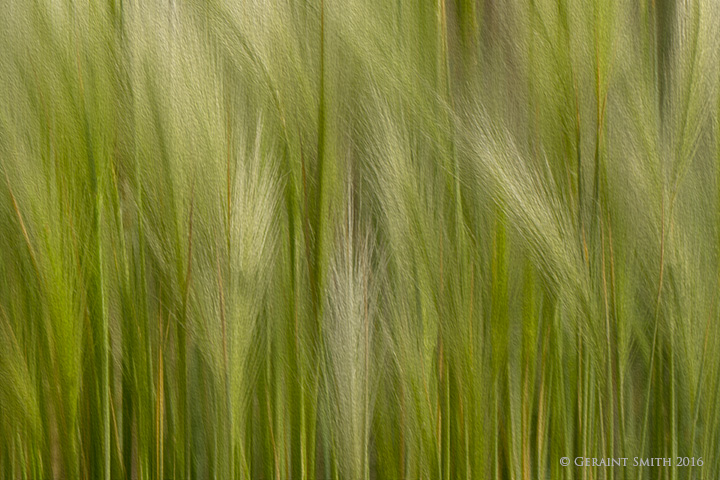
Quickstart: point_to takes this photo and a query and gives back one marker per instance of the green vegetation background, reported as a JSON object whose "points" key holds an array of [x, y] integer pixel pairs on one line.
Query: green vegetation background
{"points": [[358, 239]]}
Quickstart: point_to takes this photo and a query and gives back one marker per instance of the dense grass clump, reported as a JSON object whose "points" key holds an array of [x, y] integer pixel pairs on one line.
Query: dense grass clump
{"points": [[359, 239]]}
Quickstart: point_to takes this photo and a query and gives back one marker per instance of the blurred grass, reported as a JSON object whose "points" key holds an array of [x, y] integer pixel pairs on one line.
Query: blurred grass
{"points": [[358, 240]]}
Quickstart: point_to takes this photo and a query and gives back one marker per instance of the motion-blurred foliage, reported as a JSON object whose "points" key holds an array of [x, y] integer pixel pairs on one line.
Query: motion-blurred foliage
{"points": [[358, 239]]}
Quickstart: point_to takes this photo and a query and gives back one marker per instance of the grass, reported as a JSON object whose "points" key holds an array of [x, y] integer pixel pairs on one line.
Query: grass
{"points": [[359, 240]]}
